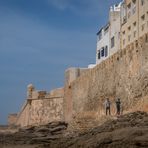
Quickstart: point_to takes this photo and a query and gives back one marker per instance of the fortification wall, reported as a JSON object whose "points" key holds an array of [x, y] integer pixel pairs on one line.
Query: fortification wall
{"points": [[42, 109], [23, 115], [72, 74], [123, 75]]}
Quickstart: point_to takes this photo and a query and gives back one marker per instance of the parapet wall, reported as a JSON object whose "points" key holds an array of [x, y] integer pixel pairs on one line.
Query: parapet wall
{"points": [[72, 74], [42, 108], [123, 75]]}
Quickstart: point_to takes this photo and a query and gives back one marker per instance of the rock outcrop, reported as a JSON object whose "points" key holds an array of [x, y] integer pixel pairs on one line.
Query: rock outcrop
{"points": [[129, 130]]}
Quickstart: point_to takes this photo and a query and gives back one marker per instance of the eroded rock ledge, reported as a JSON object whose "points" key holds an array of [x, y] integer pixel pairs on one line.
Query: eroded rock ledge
{"points": [[129, 130]]}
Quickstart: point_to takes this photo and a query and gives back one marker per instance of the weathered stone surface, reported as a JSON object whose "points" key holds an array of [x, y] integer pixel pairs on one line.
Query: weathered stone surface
{"points": [[129, 130], [34, 134], [123, 75], [42, 108]]}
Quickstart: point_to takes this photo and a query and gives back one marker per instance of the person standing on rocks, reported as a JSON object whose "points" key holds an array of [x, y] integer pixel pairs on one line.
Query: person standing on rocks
{"points": [[118, 106], [107, 106]]}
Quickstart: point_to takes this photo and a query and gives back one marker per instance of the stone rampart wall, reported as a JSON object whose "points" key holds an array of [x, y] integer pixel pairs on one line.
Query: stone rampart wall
{"points": [[123, 75], [42, 110]]}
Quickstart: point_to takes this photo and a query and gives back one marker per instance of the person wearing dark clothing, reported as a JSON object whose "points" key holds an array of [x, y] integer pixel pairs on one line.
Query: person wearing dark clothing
{"points": [[107, 106], [118, 106]]}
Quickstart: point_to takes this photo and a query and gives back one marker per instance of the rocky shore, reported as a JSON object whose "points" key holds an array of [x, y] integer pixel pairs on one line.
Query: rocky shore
{"points": [[127, 131]]}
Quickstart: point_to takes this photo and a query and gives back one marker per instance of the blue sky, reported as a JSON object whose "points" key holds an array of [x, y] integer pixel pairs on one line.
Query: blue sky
{"points": [[39, 39]]}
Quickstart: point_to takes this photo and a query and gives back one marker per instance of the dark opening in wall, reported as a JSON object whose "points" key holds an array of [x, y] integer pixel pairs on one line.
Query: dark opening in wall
{"points": [[102, 52], [112, 42], [106, 51], [99, 55], [136, 44]]}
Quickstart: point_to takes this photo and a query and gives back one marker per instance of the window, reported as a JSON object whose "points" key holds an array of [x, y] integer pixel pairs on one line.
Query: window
{"points": [[129, 10], [129, 6], [112, 42], [99, 54], [100, 36], [106, 51], [142, 2], [102, 52], [134, 10], [106, 29], [134, 6], [129, 28], [134, 24], [123, 13], [143, 17], [134, 1], [147, 17]]}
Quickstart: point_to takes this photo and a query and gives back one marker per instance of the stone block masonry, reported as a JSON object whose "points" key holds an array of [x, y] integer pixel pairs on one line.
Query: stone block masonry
{"points": [[42, 108], [123, 75]]}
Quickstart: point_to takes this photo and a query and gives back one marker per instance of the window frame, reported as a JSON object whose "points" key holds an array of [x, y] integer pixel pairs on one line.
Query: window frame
{"points": [[102, 52], [112, 42]]}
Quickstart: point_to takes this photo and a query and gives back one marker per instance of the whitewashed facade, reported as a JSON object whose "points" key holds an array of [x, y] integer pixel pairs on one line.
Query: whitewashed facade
{"points": [[108, 37], [102, 44], [115, 24]]}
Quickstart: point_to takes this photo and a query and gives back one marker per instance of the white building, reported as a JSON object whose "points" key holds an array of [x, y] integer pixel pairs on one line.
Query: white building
{"points": [[102, 44], [115, 27], [128, 21], [108, 37]]}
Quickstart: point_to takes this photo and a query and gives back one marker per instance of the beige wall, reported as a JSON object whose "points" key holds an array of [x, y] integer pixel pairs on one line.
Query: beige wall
{"points": [[23, 115], [124, 75], [129, 30], [73, 73], [136, 25], [45, 111], [143, 22], [115, 31], [42, 108]]}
